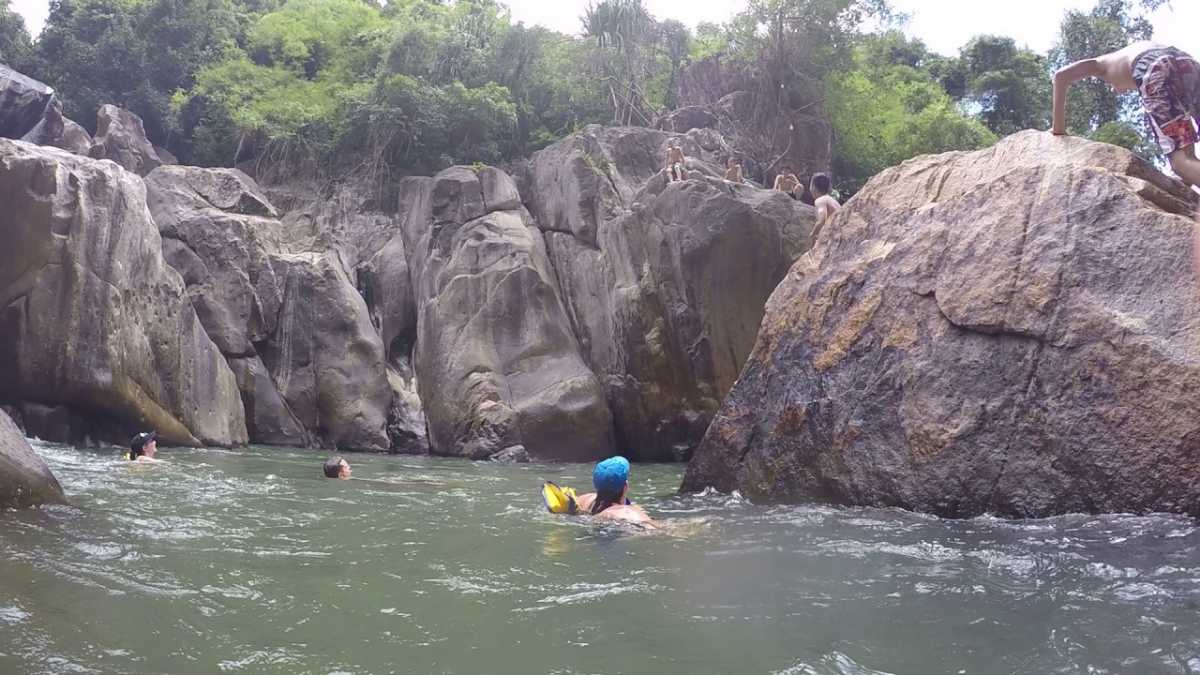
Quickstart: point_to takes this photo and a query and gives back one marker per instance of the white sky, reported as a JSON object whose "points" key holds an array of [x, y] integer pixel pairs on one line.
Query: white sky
{"points": [[944, 25]]}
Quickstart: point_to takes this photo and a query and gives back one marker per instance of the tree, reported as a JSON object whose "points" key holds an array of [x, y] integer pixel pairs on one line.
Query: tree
{"points": [[885, 112], [1009, 85], [134, 53], [16, 49], [624, 32]]}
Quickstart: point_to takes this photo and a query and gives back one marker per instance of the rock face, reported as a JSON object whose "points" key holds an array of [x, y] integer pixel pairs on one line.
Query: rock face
{"points": [[25, 480], [1011, 331], [296, 333], [665, 283], [497, 363], [23, 100], [121, 137], [90, 315]]}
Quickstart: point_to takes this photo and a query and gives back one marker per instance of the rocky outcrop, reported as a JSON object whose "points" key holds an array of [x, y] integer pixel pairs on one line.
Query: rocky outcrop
{"points": [[297, 335], [497, 363], [25, 480], [90, 315], [1008, 331], [23, 101], [121, 137], [59, 132], [665, 283]]}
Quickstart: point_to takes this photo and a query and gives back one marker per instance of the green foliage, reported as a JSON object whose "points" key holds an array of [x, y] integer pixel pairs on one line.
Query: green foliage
{"points": [[1009, 85], [1126, 136], [885, 112], [134, 53], [16, 49]]}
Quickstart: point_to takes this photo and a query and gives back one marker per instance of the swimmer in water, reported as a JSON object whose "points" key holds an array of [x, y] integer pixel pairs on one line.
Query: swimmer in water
{"points": [[143, 447], [336, 467], [609, 501]]}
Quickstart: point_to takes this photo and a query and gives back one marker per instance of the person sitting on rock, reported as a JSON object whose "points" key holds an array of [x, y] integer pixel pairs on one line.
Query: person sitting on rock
{"points": [[142, 447], [733, 172], [610, 500], [676, 163], [825, 204], [336, 467], [1168, 81], [787, 182]]}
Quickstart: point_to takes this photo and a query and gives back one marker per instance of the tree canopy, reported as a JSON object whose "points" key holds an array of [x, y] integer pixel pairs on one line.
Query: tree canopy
{"points": [[415, 85]]}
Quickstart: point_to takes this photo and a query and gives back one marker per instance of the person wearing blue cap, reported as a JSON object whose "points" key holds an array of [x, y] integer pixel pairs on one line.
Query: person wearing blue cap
{"points": [[609, 501]]}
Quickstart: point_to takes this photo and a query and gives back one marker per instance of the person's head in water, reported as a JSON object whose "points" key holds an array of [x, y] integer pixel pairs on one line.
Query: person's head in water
{"points": [[336, 467], [611, 480], [144, 444], [819, 185]]}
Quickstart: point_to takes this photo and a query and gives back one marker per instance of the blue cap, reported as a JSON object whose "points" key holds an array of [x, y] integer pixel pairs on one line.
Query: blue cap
{"points": [[610, 476]]}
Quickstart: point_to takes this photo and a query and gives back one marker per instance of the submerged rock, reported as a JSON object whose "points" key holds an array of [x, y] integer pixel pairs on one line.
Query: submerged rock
{"points": [[90, 315], [496, 361], [1007, 331], [25, 480], [665, 283]]}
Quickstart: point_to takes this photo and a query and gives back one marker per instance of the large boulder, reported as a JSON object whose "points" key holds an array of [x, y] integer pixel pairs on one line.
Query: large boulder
{"points": [[665, 283], [23, 101], [121, 137], [25, 480], [1008, 331], [297, 335], [497, 363], [90, 314], [59, 132]]}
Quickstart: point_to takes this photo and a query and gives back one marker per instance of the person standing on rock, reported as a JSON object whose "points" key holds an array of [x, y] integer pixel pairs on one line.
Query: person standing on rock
{"points": [[787, 183], [676, 162], [826, 205], [733, 171], [1168, 81]]}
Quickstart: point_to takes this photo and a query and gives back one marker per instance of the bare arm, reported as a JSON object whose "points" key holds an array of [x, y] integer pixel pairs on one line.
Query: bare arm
{"points": [[1063, 80]]}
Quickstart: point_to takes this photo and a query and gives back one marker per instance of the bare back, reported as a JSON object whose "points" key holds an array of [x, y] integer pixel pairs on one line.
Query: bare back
{"points": [[1116, 68], [627, 513]]}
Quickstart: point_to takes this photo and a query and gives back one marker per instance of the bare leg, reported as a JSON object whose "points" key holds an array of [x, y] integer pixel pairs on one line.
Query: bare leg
{"points": [[1185, 165]]}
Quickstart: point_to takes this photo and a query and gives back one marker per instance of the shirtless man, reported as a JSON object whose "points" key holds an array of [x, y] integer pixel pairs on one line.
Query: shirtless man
{"points": [[1169, 83], [733, 171], [675, 162], [825, 204], [787, 182], [609, 502], [143, 447]]}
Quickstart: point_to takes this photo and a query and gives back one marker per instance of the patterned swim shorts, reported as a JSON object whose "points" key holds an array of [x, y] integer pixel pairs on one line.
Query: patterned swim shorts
{"points": [[1169, 81]]}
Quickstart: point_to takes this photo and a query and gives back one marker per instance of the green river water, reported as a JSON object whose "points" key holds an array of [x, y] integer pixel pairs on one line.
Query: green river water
{"points": [[250, 562]]}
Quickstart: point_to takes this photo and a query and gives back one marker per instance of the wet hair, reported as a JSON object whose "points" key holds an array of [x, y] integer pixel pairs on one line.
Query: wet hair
{"points": [[333, 466], [820, 182], [605, 500]]}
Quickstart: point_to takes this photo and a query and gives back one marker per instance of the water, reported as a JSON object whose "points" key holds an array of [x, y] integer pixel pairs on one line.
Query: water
{"points": [[249, 562]]}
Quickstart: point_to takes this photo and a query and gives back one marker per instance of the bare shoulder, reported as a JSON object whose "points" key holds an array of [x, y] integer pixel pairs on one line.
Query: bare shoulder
{"points": [[828, 202]]}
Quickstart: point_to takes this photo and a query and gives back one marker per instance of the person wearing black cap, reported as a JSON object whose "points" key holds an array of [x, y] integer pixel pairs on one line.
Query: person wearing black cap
{"points": [[143, 446]]}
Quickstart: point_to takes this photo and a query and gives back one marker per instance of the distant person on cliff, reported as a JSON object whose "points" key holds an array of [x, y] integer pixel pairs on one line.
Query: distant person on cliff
{"points": [[1168, 81], [610, 500], [825, 204], [787, 183], [143, 447], [336, 467], [733, 171], [676, 162]]}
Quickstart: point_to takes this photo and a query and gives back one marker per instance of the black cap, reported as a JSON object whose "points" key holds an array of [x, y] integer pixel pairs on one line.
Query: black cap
{"points": [[138, 442]]}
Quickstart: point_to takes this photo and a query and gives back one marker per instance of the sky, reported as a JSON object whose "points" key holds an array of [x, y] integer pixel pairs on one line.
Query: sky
{"points": [[944, 25]]}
